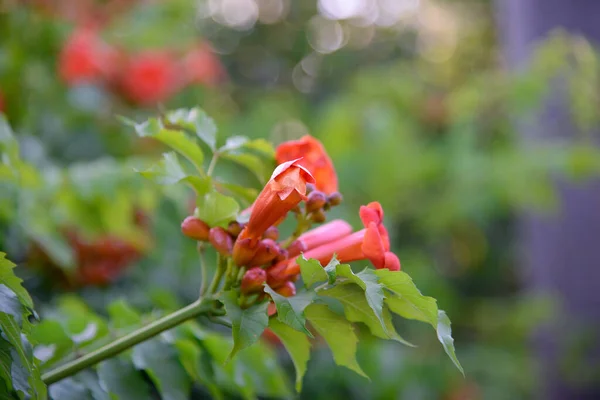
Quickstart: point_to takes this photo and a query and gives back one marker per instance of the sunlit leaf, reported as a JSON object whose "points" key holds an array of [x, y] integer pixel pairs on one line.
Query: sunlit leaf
{"points": [[311, 270], [444, 334], [298, 346], [338, 333], [216, 209]]}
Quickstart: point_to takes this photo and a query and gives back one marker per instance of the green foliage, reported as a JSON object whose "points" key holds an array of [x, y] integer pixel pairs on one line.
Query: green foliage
{"points": [[20, 372]]}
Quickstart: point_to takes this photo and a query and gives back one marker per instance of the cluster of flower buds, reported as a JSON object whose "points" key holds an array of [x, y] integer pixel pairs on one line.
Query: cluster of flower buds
{"points": [[144, 78], [256, 246]]}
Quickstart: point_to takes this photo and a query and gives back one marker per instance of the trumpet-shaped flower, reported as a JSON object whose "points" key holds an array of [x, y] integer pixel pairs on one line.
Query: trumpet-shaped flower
{"points": [[314, 158], [283, 192]]}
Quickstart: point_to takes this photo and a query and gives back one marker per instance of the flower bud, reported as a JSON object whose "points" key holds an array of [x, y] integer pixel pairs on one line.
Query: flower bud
{"points": [[288, 289], [316, 200], [244, 250], [271, 233], [295, 248], [221, 240], [310, 187], [335, 199], [282, 255], [234, 228], [195, 228], [253, 280], [318, 216], [268, 249]]}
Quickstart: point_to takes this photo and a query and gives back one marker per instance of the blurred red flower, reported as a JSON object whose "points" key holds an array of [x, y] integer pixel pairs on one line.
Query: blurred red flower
{"points": [[85, 57], [150, 77], [202, 66]]}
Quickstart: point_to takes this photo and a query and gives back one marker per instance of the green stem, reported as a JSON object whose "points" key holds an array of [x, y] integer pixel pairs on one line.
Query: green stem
{"points": [[214, 285], [199, 307], [202, 269], [213, 163]]}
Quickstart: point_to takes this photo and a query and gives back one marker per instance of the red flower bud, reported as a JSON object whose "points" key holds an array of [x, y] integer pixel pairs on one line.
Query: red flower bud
{"points": [[220, 240], [253, 280], [288, 289], [195, 228], [271, 233], [266, 252], [335, 199], [243, 251], [295, 248], [316, 201]]}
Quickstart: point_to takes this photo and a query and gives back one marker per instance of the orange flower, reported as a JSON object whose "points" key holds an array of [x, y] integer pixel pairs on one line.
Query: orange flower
{"points": [[314, 159], [325, 233], [283, 192], [371, 243]]}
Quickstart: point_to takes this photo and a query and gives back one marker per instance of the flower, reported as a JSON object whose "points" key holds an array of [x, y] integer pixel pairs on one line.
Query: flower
{"points": [[202, 66], [150, 77], [285, 189], [85, 57], [325, 233], [314, 159], [371, 243]]}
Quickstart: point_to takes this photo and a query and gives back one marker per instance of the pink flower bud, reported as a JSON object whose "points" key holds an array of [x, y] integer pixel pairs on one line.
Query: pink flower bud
{"points": [[195, 228], [253, 280]]}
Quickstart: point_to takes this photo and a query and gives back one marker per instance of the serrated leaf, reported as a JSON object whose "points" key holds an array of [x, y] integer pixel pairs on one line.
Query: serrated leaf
{"points": [[8, 278], [253, 163], [405, 299], [312, 271], [290, 310], [182, 144], [297, 345], [159, 360], [331, 269], [338, 333], [190, 355], [216, 209], [121, 379], [68, 389], [10, 304], [367, 281], [444, 334], [248, 324], [358, 309], [122, 315]]}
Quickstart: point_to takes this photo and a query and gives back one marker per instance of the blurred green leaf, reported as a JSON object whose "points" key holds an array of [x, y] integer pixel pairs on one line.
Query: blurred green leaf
{"points": [[444, 333], [290, 310], [9, 280], [338, 333], [160, 361], [244, 193], [122, 380], [297, 345], [216, 209], [196, 120], [253, 163], [233, 143], [182, 144], [190, 355], [68, 389], [122, 315], [248, 324], [169, 171], [51, 340]]}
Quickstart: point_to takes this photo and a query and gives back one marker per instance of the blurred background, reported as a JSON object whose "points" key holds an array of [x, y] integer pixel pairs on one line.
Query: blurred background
{"points": [[472, 122]]}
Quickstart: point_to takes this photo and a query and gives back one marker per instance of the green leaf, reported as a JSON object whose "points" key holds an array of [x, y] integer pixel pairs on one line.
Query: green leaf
{"points": [[259, 364], [297, 345], [368, 282], [68, 389], [248, 324], [358, 309], [312, 271], [190, 355], [338, 333], [122, 380], [81, 324], [10, 304], [405, 299], [216, 209], [90, 381], [25, 374], [8, 278], [331, 269], [182, 144], [51, 340], [233, 143], [444, 334], [253, 163], [159, 360], [290, 310], [261, 145], [122, 315], [169, 171], [244, 193]]}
